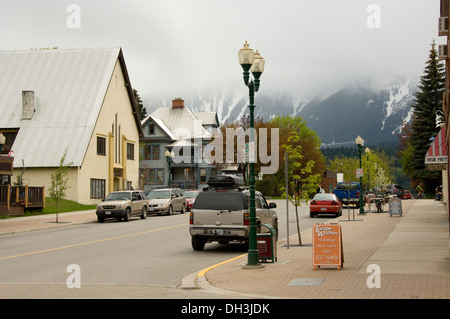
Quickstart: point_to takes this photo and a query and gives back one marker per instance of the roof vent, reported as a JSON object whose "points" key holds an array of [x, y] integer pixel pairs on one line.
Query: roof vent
{"points": [[28, 105]]}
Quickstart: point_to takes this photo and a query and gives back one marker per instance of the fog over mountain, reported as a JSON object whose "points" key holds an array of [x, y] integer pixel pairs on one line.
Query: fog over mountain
{"points": [[375, 114]]}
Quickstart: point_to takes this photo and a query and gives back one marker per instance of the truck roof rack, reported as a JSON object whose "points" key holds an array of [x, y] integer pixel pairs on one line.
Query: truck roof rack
{"points": [[225, 181]]}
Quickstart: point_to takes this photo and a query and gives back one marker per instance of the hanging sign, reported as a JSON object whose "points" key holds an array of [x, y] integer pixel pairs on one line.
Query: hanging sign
{"points": [[327, 246]]}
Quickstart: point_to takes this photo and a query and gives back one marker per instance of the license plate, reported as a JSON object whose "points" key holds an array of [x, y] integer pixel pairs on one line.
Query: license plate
{"points": [[219, 231], [107, 213], [323, 208], [151, 209]]}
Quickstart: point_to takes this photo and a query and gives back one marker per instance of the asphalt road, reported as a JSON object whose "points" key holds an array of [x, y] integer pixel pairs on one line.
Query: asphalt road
{"points": [[154, 251]]}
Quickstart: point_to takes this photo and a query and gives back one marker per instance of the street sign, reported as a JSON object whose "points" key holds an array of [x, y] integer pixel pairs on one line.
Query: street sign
{"points": [[395, 207], [327, 246], [359, 172]]}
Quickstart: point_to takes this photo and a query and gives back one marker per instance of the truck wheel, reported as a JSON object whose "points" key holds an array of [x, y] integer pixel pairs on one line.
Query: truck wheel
{"points": [[144, 212], [198, 243], [101, 219], [127, 216]]}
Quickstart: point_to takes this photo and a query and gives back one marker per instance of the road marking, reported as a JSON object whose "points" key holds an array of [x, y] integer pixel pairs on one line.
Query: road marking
{"points": [[91, 242], [204, 271]]}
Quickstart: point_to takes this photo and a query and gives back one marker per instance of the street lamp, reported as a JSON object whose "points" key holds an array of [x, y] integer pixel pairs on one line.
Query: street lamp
{"points": [[253, 62], [169, 155], [360, 143]]}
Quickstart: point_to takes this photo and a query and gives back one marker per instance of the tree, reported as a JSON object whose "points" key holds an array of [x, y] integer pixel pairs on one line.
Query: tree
{"points": [[140, 106], [427, 101], [302, 181], [59, 182]]}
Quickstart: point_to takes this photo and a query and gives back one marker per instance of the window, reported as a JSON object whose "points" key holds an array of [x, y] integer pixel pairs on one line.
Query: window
{"points": [[202, 175], [97, 188], [130, 151], [151, 152], [153, 176], [101, 145], [151, 129]]}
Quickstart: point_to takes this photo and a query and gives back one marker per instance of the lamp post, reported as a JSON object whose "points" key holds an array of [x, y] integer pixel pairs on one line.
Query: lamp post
{"points": [[253, 62], [169, 155], [360, 143]]}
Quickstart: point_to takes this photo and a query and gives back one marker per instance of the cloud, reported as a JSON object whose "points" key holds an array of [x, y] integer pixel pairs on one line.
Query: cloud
{"points": [[180, 46]]}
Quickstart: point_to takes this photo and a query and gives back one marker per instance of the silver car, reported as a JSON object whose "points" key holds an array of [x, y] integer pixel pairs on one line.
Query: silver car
{"points": [[166, 201]]}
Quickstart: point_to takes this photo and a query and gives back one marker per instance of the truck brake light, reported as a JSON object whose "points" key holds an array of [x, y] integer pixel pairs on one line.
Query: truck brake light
{"points": [[191, 218], [247, 219]]}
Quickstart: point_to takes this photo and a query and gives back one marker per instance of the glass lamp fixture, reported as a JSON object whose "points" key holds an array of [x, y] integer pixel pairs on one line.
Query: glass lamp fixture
{"points": [[359, 141]]}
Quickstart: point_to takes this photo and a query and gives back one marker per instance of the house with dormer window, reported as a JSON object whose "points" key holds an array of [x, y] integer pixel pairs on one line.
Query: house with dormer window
{"points": [[173, 140], [78, 101]]}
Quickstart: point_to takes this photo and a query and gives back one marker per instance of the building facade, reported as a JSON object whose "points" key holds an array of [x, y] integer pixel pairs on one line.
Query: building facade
{"points": [[77, 102], [172, 147]]}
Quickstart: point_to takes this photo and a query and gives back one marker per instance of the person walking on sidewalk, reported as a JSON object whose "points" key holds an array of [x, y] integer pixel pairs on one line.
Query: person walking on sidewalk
{"points": [[419, 190]]}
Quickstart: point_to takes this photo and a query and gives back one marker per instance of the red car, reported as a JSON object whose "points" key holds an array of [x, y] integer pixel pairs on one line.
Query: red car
{"points": [[325, 204], [190, 198], [407, 194]]}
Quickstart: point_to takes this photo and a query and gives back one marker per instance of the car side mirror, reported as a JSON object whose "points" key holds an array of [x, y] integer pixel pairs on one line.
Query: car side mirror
{"points": [[272, 205]]}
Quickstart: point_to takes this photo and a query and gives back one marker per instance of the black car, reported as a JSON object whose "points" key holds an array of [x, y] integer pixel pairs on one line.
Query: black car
{"points": [[395, 190]]}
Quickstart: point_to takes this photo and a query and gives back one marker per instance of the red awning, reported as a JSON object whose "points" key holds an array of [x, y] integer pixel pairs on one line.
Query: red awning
{"points": [[437, 157]]}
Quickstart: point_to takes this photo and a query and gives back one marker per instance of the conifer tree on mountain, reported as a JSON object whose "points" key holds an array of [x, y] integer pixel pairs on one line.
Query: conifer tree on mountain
{"points": [[428, 100]]}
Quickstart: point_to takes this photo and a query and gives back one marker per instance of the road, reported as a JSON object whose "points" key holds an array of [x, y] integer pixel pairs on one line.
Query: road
{"points": [[156, 251]]}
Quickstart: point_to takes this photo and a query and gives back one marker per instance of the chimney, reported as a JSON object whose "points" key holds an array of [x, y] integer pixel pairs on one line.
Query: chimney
{"points": [[178, 104], [28, 105]]}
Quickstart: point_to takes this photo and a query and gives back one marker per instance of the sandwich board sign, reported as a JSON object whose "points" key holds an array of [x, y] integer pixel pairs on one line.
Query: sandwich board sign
{"points": [[327, 246], [395, 207]]}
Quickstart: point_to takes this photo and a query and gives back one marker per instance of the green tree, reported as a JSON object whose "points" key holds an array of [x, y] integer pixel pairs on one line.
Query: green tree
{"points": [[140, 106], [59, 182], [302, 181], [427, 101]]}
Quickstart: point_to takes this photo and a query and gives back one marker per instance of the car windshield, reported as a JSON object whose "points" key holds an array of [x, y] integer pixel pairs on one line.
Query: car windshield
{"points": [[191, 194], [159, 194], [324, 197], [220, 201], [118, 196]]}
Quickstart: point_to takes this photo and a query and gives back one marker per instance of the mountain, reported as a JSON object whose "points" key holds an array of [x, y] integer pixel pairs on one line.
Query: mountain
{"points": [[377, 115]]}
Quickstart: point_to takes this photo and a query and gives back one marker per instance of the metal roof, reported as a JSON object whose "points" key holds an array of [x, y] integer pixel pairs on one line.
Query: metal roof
{"points": [[69, 86]]}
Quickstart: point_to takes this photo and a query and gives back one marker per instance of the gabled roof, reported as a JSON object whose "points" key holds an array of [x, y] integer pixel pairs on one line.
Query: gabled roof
{"points": [[69, 86], [179, 121]]}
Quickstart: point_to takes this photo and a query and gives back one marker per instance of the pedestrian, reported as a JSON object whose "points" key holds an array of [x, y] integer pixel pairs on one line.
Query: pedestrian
{"points": [[438, 193], [419, 190]]}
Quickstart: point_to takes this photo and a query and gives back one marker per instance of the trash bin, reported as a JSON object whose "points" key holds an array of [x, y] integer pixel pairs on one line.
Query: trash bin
{"points": [[267, 244]]}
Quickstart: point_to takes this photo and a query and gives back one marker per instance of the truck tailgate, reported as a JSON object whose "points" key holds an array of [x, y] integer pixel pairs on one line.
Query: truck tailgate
{"points": [[215, 218]]}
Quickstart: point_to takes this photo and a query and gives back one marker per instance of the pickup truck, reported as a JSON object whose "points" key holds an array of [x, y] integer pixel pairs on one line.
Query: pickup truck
{"points": [[348, 193]]}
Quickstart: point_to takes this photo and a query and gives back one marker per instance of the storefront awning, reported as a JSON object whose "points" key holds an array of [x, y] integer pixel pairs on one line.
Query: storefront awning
{"points": [[437, 158]]}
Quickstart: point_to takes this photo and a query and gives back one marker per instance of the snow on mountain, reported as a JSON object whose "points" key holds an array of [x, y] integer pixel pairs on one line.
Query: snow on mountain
{"points": [[375, 114]]}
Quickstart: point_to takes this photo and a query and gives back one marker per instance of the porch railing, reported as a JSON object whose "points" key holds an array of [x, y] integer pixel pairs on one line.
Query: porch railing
{"points": [[25, 196]]}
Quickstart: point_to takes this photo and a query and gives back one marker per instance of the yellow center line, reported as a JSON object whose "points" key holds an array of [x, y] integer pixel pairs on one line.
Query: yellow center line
{"points": [[91, 242]]}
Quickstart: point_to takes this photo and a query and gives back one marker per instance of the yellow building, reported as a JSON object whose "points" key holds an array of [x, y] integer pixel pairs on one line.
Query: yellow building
{"points": [[79, 101]]}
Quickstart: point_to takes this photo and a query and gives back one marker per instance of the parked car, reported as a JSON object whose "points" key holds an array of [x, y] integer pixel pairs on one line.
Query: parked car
{"points": [[407, 194], [190, 198], [221, 213], [325, 204], [166, 200], [122, 204], [395, 190]]}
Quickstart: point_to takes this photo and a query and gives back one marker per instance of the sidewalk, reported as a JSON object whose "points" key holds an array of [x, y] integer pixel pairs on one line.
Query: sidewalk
{"points": [[413, 252], [38, 222]]}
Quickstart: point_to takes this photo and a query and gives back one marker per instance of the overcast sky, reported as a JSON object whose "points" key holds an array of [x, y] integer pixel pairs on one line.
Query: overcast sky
{"points": [[179, 46]]}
